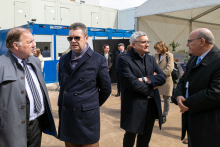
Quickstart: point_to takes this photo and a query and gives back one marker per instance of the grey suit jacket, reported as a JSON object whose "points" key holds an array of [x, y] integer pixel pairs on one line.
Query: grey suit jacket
{"points": [[13, 122]]}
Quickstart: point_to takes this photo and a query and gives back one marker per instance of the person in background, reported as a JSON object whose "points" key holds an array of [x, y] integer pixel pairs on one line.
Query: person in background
{"points": [[37, 53], [108, 57], [165, 61], [121, 52], [46, 53], [128, 48]]}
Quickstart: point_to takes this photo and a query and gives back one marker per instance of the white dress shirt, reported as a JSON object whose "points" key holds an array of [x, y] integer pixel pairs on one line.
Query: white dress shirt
{"points": [[33, 115]]}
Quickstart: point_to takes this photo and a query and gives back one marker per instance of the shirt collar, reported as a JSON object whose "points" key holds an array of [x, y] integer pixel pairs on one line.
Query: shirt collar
{"points": [[203, 55], [19, 59]]}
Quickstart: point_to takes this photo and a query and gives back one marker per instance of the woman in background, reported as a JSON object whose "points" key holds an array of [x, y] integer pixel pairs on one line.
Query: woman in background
{"points": [[128, 48], [37, 53], [166, 63], [108, 56]]}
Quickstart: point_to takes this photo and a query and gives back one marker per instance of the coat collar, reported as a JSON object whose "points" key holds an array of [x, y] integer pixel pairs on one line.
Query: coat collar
{"points": [[136, 58], [206, 60], [85, 57]]}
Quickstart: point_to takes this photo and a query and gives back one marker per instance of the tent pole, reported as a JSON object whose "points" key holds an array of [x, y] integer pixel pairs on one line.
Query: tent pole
{"points": [[190, 27]]}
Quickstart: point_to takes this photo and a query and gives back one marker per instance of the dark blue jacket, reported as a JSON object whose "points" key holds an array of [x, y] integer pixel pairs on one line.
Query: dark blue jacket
{"points": [[82, 91], [117, 56], [134, 93]]}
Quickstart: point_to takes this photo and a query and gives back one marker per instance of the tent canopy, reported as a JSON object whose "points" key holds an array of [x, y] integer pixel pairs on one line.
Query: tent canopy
{"points": [[173, 20]]}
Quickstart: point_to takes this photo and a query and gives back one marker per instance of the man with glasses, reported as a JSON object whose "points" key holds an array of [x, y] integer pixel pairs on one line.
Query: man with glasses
{"points": [[140, 100], [198, 91], [84, 86]]}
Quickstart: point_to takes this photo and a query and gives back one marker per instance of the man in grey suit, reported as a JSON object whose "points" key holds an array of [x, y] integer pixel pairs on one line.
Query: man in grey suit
{"points": [[25, 110]]}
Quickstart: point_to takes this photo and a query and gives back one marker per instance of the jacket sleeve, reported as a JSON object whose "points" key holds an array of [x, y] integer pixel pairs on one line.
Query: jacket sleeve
{"points": [[170, 65], [207, 98], [160, 78], [104, 82], [132, 82]]}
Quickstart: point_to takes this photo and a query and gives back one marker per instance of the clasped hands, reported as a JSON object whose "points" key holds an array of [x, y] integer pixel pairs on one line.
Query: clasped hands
{"points": [[180, 100], [147, 80]]}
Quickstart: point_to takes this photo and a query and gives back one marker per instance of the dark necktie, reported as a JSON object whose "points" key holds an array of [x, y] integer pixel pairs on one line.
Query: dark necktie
{"points": [[34, 91]]}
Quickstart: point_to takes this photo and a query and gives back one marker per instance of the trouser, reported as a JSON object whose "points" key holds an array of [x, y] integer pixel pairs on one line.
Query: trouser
{"points": [[34, 133], [118, 83], [188, 131], [166, 105], [142, 139], [67, 144]]}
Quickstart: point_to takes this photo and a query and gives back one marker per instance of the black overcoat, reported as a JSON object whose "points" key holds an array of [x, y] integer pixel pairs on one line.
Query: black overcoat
{"points": [[82, 91], [134, 93], [203, 100]]}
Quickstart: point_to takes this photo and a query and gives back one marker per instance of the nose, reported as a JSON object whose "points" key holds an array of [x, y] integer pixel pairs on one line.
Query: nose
{"points": [[187, 44], [33, 44]]}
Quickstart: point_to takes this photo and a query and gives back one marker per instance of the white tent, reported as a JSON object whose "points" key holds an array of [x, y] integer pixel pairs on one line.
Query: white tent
{"points": [[173, 20]]}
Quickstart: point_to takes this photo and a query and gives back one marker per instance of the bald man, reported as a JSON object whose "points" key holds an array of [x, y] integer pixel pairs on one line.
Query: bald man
{"points": [[198, 91]]}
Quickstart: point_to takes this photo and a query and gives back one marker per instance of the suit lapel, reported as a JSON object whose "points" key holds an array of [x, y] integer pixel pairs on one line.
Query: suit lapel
{"points": [[135, 58], [163, 58]]}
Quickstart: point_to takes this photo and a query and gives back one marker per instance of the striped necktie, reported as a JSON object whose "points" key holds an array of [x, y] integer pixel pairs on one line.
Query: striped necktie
{"points": [[34, 91]]}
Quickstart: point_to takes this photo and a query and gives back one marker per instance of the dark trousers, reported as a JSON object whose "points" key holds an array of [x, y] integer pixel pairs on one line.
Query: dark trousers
{"points": [[188, 131], [118, 83], [142, 139], [34, 133]]}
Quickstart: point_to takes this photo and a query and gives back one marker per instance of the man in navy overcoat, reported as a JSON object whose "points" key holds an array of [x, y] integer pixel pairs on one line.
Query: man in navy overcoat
{"points": [[84, 86], [140, 99]]}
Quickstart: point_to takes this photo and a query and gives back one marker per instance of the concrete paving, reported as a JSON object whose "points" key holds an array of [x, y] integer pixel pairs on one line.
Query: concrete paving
{"points": [[111, 133]]}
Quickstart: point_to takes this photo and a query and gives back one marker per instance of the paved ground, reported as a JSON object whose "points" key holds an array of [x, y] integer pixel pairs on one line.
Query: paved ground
{"points": [[112, 134]]}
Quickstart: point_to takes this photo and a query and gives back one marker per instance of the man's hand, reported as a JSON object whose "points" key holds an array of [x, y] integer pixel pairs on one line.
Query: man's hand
{"points": [[155, 73], [180, 100], [145, 78]]}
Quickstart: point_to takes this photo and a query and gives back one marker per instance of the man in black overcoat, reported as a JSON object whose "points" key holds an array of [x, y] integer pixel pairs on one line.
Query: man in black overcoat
{"points": [[140, 99], [121, 52], [198, 91]]}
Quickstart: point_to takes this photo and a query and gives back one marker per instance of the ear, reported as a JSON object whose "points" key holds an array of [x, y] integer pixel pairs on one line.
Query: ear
{"points": [[133, 44], [15, 45], [87, 38], [203, 41]]}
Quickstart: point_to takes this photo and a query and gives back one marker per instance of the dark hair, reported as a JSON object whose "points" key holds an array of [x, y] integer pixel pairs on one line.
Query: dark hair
{"points": [[77, 26], [14, 36], [162, 47], [128, 48], [105, 46]]}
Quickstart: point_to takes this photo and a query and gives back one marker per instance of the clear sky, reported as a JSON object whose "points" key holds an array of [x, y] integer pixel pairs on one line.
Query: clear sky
{"points": [[121, 4]]}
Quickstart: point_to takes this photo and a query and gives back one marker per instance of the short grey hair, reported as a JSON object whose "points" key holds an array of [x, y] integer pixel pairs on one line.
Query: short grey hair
{"points": [[207, 35], [136, 35], [77, 26]]}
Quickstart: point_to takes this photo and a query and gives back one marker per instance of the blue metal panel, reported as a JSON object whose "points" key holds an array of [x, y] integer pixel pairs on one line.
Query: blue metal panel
{"points": [[50, 71]]}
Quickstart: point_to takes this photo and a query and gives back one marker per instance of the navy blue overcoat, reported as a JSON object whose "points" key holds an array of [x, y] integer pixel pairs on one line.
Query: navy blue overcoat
{"points": [[82, 91]]}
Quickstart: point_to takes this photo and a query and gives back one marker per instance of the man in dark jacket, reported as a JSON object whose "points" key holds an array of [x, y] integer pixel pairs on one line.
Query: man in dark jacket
{"points": [[84, 86], [198, 91], [121, 52], [140, 100]]}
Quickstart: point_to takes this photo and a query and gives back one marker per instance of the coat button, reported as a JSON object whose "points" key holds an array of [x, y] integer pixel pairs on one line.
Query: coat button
{"points": [[22, 78], [23, 122], [75, 94], [80, 79], [64, 77], [22, 92], [22, 107], [74, 109], [65, 91]]}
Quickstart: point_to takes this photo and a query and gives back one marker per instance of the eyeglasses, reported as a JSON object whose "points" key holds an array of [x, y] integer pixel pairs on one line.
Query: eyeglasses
{"points": [[75, 38], [190, 40], [144, 42]]}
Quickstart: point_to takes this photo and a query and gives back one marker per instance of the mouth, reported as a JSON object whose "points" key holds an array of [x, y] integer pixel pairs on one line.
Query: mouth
{"points": [[74, 45]]}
